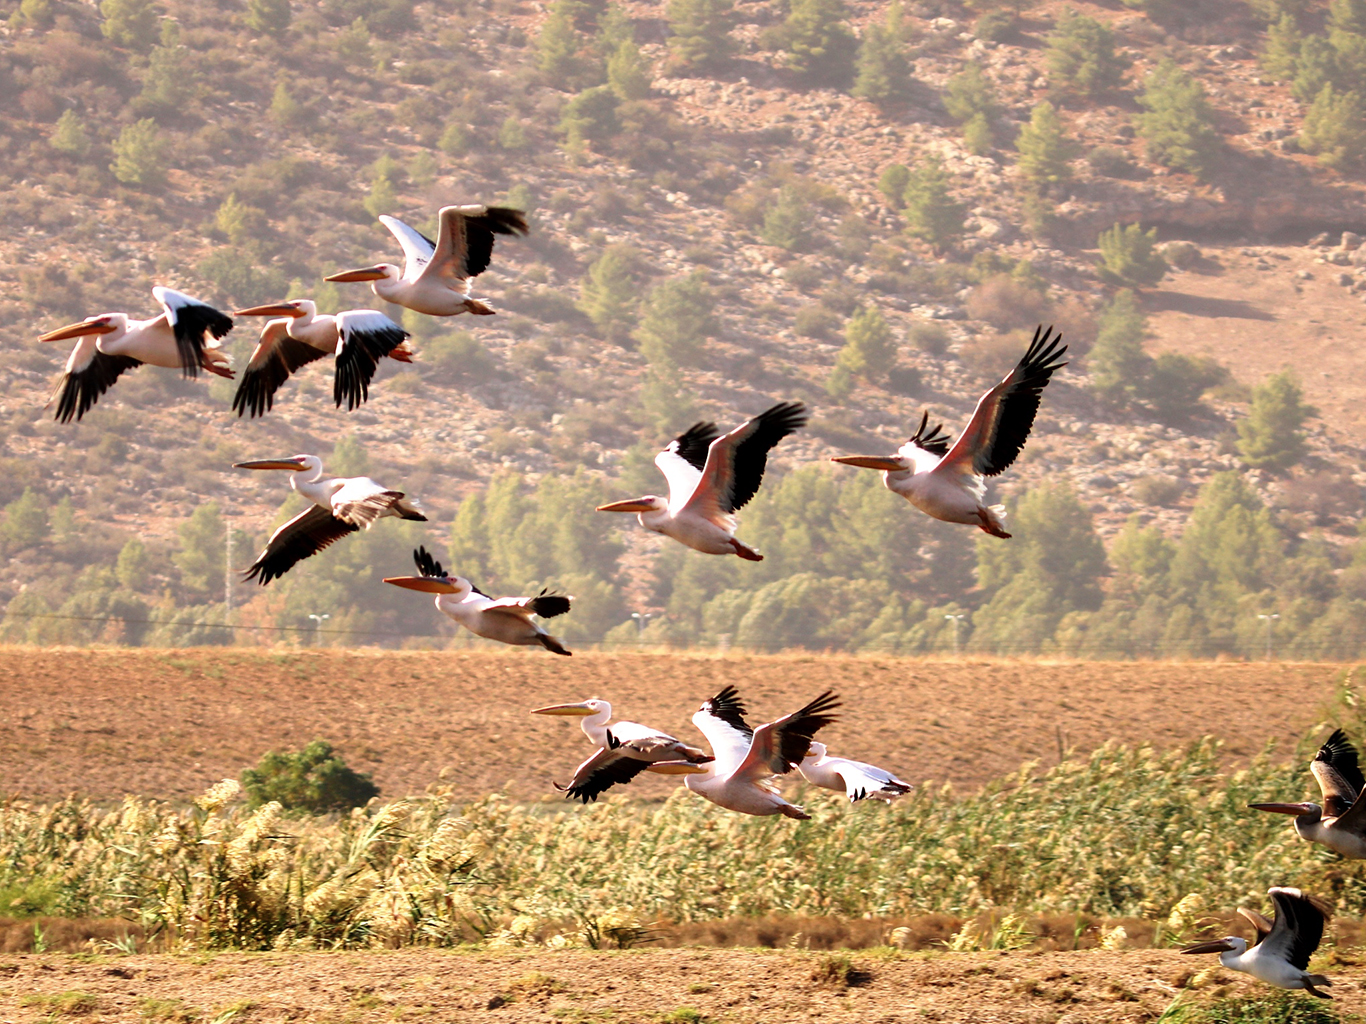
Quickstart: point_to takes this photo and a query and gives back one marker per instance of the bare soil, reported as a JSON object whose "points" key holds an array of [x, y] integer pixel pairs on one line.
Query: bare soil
{"points": [[771, 987], [169, 723]]}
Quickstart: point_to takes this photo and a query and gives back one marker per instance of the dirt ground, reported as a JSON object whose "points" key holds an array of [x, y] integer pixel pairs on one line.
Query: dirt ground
{"points": [[669, 986], [169, 723]]}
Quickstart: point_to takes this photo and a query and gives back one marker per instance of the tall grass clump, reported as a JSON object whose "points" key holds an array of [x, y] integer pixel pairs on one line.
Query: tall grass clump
{"points": [[1122, 832]]}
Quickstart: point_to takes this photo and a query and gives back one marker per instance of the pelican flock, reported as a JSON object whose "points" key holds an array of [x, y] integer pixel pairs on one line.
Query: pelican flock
{"points": [[710, 477]]}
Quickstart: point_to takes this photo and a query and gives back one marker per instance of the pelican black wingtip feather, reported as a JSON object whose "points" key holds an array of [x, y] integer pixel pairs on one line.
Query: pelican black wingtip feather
{"points": [[934, 441], [547, 604], [728, 707], [694, 443], [1339, 752], [427, 565], [191, 321]]}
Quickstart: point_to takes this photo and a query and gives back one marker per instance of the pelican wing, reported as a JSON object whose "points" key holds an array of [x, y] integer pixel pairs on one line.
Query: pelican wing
{"points": [[429, 566], [1338, 774], [736, 461], [722, 721], [607, 767], [365, 336], [305, 535], [780, 746], [545, 604], [191, 320], [88, 374], [1298, 927], [1259, 923], [866, 780], [417, 247], [361, 501], [1004, 415], [464, 240], [275, 357]]}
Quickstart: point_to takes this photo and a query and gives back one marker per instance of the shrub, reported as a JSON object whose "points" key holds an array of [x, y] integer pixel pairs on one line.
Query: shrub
{"points": [[787, 222], [820, 47], [1044, 151], [608, 294], [678, 318], [268, 16], [931, 212], [1129, 257], [1005, 302], [628, 73], [869, 346], [1270, 437], [932, 339], [307, 781], [882, 72], [140, 155], [131, 23], [1111, 162], [1178, 124], [815, 321], [892, 184], [591, 116], [700, 32], [1335, 129], [69, 135], [1081, 56]]}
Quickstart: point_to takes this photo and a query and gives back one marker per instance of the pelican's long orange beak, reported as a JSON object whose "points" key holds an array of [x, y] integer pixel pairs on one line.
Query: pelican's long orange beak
{"points": [[78, 330], [426, 584], [1217, 946], [291, 464], [571, 710], [363, 274], [1295, 809], [677, 768], [886, 463], [272, 309], [633, 505]]}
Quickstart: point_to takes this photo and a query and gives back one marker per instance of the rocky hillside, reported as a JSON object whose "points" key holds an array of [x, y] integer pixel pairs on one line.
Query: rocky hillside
{"points": [[267, 147]]}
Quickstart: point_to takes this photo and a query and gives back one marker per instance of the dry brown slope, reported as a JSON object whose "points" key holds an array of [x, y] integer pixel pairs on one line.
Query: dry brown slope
{"points": [[168, 723], [732, 985]]}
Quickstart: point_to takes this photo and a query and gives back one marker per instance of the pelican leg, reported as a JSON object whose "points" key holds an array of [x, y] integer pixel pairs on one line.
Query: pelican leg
{"points": [[1310, 980], [989, 525], [746, 552]]}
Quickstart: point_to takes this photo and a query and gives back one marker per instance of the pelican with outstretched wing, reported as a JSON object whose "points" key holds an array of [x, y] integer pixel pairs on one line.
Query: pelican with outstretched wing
{"points": [[855, 779], [711, 477], [340, 505], [183, 336], [505, 619], [357, 339], [437, 276], [625, 749], [1340, 822], [949, 483], [1281, 954], [746, 760]]}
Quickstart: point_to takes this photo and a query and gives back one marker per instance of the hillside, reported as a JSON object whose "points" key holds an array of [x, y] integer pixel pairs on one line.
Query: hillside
{"points": [[275, 143]]}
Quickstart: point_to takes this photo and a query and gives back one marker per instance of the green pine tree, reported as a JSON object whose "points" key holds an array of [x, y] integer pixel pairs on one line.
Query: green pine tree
{"points": [[1315, 67], [25, 522], [1044, 150], [628, 72], [1271, 437], [558, 46], [1119, 366], [820, 47], [677, 318], [787, 222], [892, 184], [140, 155], [1128, 256], [1347, 36], [1335, 129], [1082, 58], [931, 213], [131, 23], [591, 116], [270, 17], [134, 566], [700, 32], [1280, 56], [882, 72], [609, 294], [969, 93], [1178, 124], [869, 346], [69, 135], [202, 551]]}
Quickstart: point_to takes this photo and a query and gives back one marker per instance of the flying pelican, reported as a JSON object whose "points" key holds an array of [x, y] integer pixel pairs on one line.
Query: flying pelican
{"points": [[184, 335], [437, 276], [854, 778], [1340, 824], [950, 483], [1281, 955], [712, 476], [505, 619], [359, 338], [341, 505], [625, 749], [740, 778]]}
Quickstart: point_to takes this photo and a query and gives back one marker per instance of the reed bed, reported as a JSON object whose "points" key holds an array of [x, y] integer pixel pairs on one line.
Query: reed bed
{"points": [[1123, 832]]}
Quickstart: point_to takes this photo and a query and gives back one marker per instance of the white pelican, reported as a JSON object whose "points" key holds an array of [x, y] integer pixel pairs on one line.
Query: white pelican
{"points": [[950, 483], [854, 778], [712, 476], [359, 338], [1340, 824], [183, 336], [505, 619], [437, 276], [1281, 956], [625, 749], [741, 777], [341, 505]]}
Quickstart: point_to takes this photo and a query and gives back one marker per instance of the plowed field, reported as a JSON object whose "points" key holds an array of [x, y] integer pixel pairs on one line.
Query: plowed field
{"points": [[169, 723]]}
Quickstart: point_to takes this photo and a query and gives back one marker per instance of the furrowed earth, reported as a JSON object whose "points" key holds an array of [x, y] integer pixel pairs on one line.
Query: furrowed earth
{"points": [[104, 723]]}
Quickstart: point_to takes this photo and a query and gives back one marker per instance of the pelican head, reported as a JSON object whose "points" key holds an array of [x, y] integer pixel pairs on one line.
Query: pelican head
{"points": [[583, 709], [431, 584], [298, 464], [1228, 944], [815, 749], [291, 308], [886, 463], [106, 323], [648, 503], [376, 273]]}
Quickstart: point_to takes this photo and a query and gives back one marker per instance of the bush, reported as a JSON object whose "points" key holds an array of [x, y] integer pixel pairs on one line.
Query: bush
{"points": [[1005, 302], [677, 319], [892, 184], [140, 155], [1270, 437], [69, 135], [931, 212], [1111, 162], [787, 222], [883, 74], [1178, 125], [308, 781], [131, 23], [932, 339], [815, 321], [1335, 129], [1082, 58], [1044, 151], [819, 45], [1129, 257], [608, 294], [701, 32], [268, 16], [591, 116]]}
